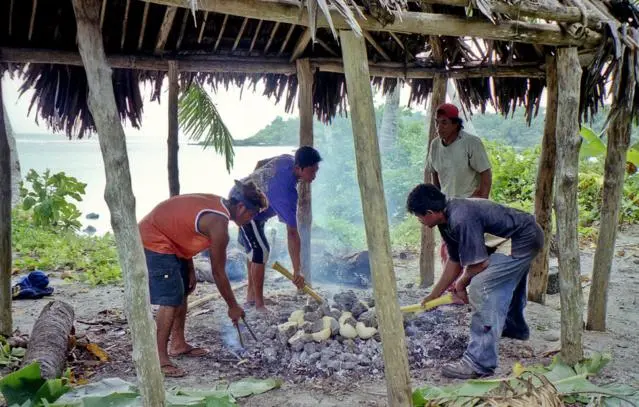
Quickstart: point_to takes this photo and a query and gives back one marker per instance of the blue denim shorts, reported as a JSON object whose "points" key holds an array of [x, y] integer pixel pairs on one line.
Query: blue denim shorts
{"points": [[168, 278]]}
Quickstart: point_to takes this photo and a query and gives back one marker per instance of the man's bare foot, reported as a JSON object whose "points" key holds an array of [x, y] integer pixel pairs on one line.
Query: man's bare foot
{"points": [[249, 303], [262, 310], [188, 351], [170, 370]]}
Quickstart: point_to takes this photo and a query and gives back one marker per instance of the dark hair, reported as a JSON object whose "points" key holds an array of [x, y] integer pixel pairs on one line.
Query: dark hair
{"points": [[424, 198], [248, 193], [458, 121], [307, 156]]}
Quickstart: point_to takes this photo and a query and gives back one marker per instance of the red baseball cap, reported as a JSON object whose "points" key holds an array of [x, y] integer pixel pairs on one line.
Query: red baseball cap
{"points": [[448, 110]]}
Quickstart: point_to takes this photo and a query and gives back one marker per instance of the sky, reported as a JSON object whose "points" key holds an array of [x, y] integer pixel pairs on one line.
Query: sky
{"points": [[244, 116]]}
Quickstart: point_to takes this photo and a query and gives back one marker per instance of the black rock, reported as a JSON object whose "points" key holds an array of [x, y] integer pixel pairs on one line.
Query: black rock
{"points": [[92, 215]]}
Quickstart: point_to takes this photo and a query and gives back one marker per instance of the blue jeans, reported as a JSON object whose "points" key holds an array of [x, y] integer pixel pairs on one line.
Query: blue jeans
{"points": [[498, 298]]}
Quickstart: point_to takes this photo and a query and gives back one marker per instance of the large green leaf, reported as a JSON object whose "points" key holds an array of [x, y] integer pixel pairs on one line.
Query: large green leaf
{"points": [[591, 145], [112, 392], [249, 386], [199, 118]]}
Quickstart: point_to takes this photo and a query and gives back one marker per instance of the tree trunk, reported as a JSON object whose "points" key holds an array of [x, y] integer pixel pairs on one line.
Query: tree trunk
{"points": [[6, 323], [538, 280], [427, 255], [618, 142], [119, 197], [568, 143], [305, 80], [49, 340], [16, 175], [390, 120], [369, 174], [172, 141]]}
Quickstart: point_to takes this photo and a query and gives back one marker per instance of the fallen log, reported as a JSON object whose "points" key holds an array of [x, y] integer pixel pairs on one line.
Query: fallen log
{"points": [[49, 340]]}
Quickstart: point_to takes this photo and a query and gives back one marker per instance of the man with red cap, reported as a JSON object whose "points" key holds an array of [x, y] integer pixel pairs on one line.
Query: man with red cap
{"points": [[458, 162]]}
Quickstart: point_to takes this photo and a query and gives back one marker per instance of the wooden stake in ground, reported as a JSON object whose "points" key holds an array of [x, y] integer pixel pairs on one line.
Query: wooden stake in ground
{"points": [[49, 340], [538, 280], [172, 140], [304, 205], [618, 142], [369, 174], [6, 324], [119, 197], [568, 143]]}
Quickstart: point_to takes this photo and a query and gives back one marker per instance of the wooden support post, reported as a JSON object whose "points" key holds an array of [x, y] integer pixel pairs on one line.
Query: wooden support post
{"points": [[427, 253], [568, 143], [538, 280], [6, 323], [119, 197], [305, 79], [172, 140], [369, 174], [618, 141]]}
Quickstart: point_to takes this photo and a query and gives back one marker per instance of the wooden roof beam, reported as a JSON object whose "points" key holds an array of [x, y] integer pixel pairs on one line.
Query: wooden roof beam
{"points": [[410, 22], [270, 38], [185, 20], [165, 28], [301, 44], [375, 45], [286, 39], [401, 45], [327, 47], [255, 35], [102, 13], [239, 34], [219, 35], [261, 65], [32, 20], [143, 25], [201, 33], [125, 23]]}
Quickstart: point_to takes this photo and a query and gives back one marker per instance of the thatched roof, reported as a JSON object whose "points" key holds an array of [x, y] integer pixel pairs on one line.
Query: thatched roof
{"points": [[242, 45]]}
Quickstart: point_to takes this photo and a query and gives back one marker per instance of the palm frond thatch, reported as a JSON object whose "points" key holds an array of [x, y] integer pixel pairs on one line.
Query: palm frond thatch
{"points": [[199, 118]]}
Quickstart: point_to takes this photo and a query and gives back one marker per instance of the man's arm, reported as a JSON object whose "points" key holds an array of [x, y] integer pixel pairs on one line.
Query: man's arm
{"points": [[463, 282], [452, 270], [436, 180], [215, 228], [485, 183], [294, 249]]}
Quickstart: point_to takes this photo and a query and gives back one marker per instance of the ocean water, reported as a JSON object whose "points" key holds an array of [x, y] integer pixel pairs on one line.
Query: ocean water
{"points": [[201, 170]]}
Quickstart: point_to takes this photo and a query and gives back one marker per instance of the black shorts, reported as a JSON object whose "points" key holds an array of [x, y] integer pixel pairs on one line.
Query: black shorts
{"points": [[168, 278], [253, 239]]}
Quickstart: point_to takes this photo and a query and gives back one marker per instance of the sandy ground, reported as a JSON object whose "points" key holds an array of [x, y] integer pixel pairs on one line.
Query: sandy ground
{"points": [[99, 315]]}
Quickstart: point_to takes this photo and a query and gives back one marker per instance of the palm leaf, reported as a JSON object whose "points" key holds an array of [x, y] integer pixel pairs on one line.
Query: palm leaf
{"points": [[201, 121]]}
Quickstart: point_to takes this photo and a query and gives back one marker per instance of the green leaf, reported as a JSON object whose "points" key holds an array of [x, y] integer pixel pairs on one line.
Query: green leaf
{"points": [[633, 156], [112, 392], [249, 386], [28, 203], [591, 145], [50, 391], [20, 386], [200, 119]]}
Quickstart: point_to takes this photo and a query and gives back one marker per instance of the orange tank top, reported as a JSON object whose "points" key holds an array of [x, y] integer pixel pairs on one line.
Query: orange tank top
{"points": [[172, 226]]}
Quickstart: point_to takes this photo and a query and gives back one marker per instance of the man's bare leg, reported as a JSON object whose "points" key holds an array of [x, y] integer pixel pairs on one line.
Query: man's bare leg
{"points": [[250, 292], [179, 345], [257, 271], [164, 321]]}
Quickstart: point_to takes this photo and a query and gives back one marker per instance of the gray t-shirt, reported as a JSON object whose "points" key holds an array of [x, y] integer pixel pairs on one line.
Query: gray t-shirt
{"points": [[469, 219], [459, 164]]}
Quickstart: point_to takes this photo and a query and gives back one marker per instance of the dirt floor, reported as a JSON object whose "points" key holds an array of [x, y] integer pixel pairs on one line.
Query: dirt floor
{"points": [[99, 316]]}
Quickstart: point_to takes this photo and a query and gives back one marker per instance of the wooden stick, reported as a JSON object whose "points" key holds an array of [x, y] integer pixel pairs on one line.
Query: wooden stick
{"points": [[270, 38], [201, 34], [301, 44], [239, 34], [375, 45], [165, 28], [126, 21], [210, 297], [182, 28], [219, 35], [308, 290], [286, 39], [6, 258], [32, 20], [102, 13], [143, 25], [10, 25], [255, 35], [407, 22]]}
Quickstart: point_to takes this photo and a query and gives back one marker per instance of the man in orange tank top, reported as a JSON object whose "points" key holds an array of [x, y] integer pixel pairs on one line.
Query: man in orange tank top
{"points": [[172, 233]]}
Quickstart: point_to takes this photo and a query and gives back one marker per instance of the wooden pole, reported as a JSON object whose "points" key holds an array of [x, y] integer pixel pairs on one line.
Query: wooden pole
{"points": [[409, 22], [538, 280], [618, 141], [305, 79], [568, 143], [369, 174], [172, 140], [119, 197], [6, 322], [438, 96]]}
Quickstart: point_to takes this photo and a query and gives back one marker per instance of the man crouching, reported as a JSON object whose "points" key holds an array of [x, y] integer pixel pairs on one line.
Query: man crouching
{"points": [[172, 233], [497, 282]]}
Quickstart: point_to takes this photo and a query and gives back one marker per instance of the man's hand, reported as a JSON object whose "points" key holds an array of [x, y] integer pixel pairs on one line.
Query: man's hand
{"points": [[460, 287], [298, 280], [192, 282], [429, 297], [235, 313]]}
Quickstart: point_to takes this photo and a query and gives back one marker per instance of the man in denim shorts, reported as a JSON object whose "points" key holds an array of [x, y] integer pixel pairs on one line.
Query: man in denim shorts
{"points": [[497, 282], [172, 233]]}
